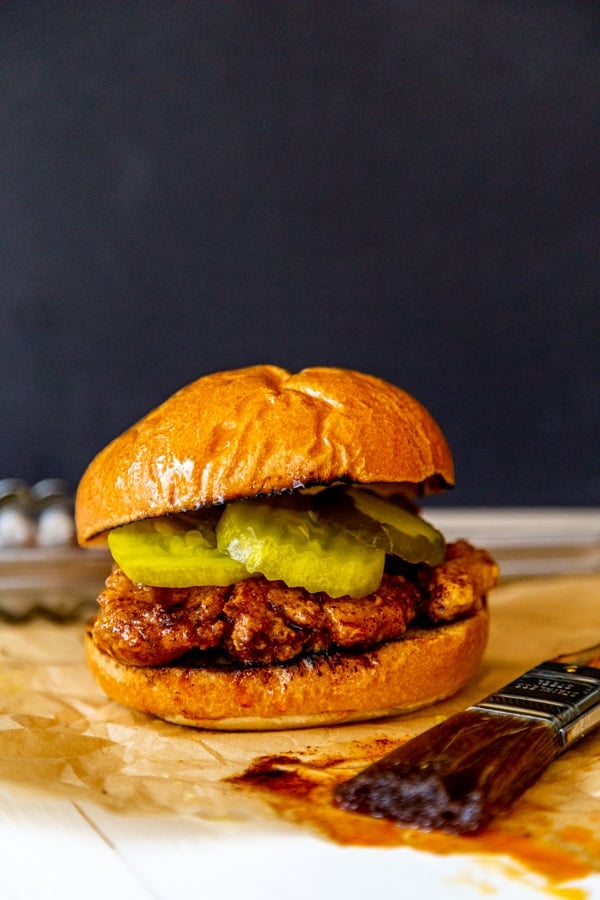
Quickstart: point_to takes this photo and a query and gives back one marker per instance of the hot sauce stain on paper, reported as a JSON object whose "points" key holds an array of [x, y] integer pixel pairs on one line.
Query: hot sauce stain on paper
{"points": [[300, 790]]}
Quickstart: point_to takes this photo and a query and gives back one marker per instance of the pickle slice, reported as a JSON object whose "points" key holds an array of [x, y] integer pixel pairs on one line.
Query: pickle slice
{"points": [[406, 534], [336, 505], [285, 540], [334, 541], [178, 551]]}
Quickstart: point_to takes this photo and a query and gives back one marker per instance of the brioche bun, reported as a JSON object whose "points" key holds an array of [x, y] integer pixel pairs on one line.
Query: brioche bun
{"points": [[425, 666], [261, 430]]}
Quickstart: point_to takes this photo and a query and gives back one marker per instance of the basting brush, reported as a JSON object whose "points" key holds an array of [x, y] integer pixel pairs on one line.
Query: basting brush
{"points": [[461, 773]]}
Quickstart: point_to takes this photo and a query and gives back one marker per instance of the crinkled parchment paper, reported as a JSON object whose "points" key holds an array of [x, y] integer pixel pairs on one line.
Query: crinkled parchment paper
{"points": [[59, 734]]}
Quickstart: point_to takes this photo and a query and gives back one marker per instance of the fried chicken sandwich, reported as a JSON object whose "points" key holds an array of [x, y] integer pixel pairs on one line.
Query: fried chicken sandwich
{"points": [[271, 565]]}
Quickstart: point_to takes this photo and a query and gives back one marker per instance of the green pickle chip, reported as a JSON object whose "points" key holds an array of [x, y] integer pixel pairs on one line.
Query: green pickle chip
{"points": [[403, 533], [285, 540], [178, 551], [333, 541]]}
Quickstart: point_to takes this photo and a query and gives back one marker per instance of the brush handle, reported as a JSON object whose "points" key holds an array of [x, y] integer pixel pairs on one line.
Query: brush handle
{"points": [[461, 773]]}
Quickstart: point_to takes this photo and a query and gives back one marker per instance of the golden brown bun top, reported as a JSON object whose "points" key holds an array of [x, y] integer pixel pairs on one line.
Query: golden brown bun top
{"points": [[260, 430]]}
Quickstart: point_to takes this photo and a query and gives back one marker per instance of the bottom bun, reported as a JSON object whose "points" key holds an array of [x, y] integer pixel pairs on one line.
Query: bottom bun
{"points": [[424, 666]]}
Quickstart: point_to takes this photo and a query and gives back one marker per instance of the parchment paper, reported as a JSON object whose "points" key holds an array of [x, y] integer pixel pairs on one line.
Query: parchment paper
{"points": [[60, 735]]}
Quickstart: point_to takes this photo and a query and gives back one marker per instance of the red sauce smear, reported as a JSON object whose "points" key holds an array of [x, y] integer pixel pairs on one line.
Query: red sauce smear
{"points": [[301, 791]]}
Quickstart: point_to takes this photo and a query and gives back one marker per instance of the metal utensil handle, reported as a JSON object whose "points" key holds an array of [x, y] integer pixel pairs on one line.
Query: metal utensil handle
{"points": [[564, 694]]}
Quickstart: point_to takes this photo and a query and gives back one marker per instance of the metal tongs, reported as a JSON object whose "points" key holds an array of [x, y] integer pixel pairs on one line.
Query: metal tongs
{"points": [[459, 774]]}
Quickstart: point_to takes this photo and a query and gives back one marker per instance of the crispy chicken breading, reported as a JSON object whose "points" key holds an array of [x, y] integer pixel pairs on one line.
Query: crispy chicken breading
{"points": [[458, 585], [264, 622]]}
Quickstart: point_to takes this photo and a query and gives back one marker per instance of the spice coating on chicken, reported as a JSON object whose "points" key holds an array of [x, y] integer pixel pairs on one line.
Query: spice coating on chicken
{"points": [[264, 622]]}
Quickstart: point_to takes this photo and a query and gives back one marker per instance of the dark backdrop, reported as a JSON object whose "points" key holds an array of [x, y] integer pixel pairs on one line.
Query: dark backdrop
{"points": [[408, 188]]}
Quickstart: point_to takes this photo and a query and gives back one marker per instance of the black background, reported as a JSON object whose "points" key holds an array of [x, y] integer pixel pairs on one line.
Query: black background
{"points": [[404, 188]]}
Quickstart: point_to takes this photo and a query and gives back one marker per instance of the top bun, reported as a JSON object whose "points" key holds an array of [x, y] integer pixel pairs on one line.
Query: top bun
{"points": [[261, 430]]}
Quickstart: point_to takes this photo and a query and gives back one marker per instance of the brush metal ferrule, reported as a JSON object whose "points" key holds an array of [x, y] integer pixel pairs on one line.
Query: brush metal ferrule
{"points": [[564, 694]]}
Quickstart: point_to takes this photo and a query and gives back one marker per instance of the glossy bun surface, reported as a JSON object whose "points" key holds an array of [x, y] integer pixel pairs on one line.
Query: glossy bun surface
{"points": [[261, 430]]}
